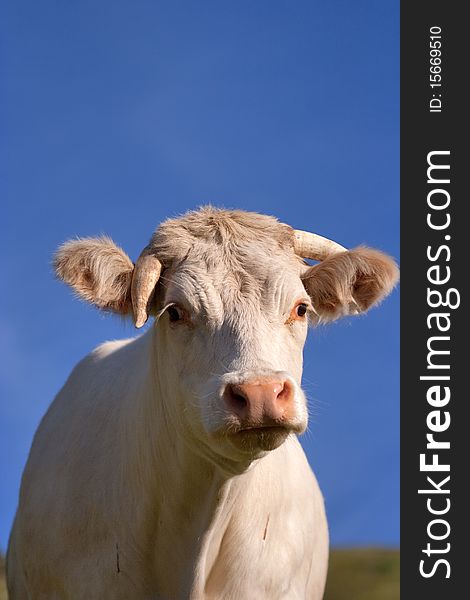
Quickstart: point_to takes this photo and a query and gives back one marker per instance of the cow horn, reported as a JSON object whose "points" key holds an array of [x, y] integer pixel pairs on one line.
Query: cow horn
{"points": [[144, 279], [311, 245]]}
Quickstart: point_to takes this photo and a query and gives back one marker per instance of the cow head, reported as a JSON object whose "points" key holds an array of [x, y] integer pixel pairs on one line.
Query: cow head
{"points": [[232, 297]]}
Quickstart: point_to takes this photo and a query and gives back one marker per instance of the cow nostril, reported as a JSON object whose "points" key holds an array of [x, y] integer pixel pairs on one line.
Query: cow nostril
{"points": [[286, 392], [238, 399], [234, 398]]}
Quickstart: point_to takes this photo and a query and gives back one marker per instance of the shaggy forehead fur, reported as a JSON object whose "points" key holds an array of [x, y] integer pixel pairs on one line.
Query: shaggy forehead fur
{"points": [[217, 236], [226, 260], [244, 254]]}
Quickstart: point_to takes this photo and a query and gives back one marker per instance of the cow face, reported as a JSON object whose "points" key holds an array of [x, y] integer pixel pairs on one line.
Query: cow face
{"points": [[232, 302], [231, 345]]}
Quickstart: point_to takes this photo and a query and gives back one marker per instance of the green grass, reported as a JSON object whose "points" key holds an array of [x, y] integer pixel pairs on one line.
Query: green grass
{"points": [[363, 574], [3, 587], [355, 574]]}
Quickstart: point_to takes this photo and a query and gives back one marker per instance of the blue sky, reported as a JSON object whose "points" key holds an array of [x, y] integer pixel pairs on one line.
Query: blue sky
{"points": [[119, 114]]}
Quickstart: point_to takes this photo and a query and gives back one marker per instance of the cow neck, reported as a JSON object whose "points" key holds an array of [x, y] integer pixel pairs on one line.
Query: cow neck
{"points": [[194, 500]]}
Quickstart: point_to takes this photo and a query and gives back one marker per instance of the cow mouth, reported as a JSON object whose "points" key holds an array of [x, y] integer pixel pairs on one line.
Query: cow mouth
{"points": [[260, 430], [257, 438]]}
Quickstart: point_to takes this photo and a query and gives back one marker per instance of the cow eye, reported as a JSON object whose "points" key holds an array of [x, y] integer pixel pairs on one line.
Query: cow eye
{"points": [[297, 313], [174, 314]]}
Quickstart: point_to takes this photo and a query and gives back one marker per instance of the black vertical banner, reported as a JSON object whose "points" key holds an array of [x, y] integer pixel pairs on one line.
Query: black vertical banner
{"points": [[435, 253]]}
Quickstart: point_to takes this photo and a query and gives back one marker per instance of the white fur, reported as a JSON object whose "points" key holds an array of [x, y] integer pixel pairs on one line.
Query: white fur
{"points": [[114, 479], [135, 487]]}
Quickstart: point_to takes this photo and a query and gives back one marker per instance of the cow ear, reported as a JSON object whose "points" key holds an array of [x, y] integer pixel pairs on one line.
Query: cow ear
{"points": [[98, 271], [349, 282]]}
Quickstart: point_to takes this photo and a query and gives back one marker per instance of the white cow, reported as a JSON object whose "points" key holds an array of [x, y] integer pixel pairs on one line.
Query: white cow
{"points": [[168, 466]]}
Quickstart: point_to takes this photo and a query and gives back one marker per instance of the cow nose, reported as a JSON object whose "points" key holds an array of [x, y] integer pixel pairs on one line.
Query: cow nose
{"points": [[262, 402]]}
